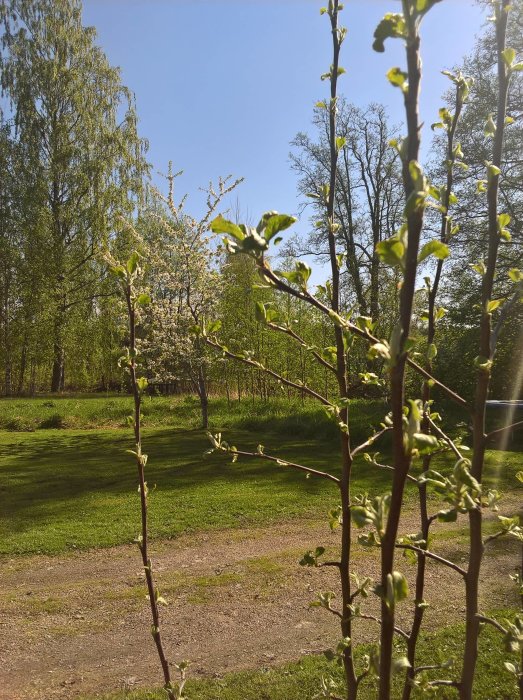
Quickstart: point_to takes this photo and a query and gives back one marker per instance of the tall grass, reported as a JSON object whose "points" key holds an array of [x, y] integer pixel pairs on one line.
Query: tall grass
{"points": [[290, 417]]}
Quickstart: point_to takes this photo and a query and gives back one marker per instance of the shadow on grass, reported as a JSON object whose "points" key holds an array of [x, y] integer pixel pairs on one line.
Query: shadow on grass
{"points": [[67, 489], [79, 488]]}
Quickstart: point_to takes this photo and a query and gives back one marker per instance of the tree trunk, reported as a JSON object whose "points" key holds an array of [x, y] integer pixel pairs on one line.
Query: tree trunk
{"points": [[23, 365], [57, 378], [204, 398]]}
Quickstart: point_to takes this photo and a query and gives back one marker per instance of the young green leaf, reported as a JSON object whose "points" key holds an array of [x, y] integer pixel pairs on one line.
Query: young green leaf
{"points": [[398, 78], [391, 26], [437, 248], [221, 225]]}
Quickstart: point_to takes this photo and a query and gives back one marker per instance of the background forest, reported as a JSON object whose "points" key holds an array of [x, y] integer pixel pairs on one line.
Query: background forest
{"points": [[76, 179]]}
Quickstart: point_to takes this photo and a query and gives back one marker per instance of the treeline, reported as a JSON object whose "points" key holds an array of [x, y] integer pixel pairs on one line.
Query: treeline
{"points": [[75, 181]]}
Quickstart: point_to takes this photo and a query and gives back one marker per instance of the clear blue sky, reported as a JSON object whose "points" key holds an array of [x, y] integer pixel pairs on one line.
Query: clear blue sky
{"points": [[222, 86]]}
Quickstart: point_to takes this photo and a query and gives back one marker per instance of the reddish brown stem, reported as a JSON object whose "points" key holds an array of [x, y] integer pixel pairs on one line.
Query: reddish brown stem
{"points": [[144, 540], [402, 459], [476, 545]]}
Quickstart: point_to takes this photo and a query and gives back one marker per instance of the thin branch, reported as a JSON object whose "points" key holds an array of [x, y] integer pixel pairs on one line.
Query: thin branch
{"points": [[429, 667], [440, 433], [491, 621], [284, 463], [451, 394], [397, 629], [503, 430], [257, 365], [313, 301], [450, 684], [391, 469], [504, 312], [369, 442], [436, 557], [337, 564], [301, 341], [493, 537]]}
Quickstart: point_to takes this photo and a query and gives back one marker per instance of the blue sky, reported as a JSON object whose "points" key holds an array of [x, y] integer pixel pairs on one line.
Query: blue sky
{"points": [[222, 86]]}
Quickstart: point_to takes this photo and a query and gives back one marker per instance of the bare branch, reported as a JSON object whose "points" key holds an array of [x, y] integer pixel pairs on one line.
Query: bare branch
{"points": [[257, 365], [439, 432], [397, 629], [450, 684], [284, 463], [503, 315], [313, 301], [369, 442], [505, 429], [301, 341], [391, 469], [493, 537], [436, 557], [491, 621]]}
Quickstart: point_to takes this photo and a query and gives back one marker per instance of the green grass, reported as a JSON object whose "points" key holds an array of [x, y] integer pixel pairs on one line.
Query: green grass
{"points": [[301, 680], [98, 411], [64, 490]]}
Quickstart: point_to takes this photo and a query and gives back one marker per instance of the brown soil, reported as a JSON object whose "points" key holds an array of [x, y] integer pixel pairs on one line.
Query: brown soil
{"points": [[79, 624]]}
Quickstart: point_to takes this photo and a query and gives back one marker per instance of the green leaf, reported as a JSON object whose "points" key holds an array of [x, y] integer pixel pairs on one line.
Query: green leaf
{"points": [[400, 586], [483, 363], [463, 476], [432, 351], [132, 263], [221, 225], [398, 78], [340, 142], [493, 304], [142, 384], [400, 664], [515, 274], [360, 516], [379, 350], [299, 275], [480, 186], [392, 252], [213, 327], [492, 170], [445, 116], [118, 270], [437, 248], [274, 223], [480, 268], [260, 312], [424, 443], [503, 220], [508, 55], [143, 299], [448, 516], [490, 127], [391, 26]]}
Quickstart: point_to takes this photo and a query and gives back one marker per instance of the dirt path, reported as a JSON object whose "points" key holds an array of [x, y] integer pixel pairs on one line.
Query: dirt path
{"points": [[79, 624]]}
